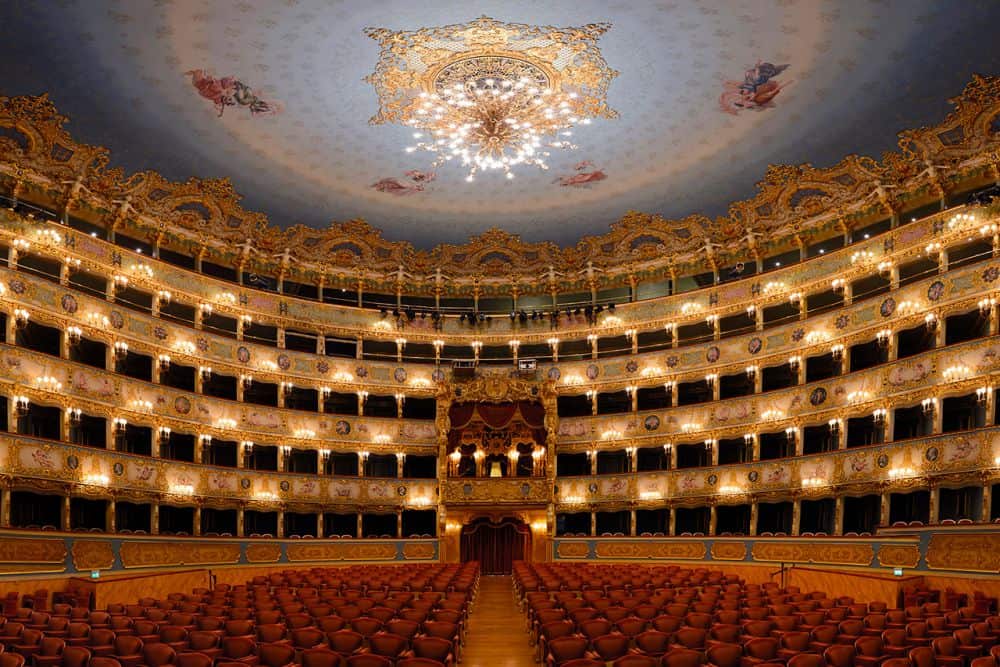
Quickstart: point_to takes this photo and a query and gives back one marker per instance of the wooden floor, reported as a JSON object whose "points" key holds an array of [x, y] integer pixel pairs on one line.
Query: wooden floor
{"points": [[497, 636]]}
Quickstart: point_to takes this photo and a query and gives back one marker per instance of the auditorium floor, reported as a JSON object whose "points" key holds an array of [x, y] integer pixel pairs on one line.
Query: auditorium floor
{"points": [[497, 636]]}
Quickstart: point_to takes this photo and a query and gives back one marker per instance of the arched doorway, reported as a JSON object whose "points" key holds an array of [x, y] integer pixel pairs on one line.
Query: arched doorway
{"points": [[496, 545]]}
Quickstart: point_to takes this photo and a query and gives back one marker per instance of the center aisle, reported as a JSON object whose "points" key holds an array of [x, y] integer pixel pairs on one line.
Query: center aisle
{"points": [[497, 636]]}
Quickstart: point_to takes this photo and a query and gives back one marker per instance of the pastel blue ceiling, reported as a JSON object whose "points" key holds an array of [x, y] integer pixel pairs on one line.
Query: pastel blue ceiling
{"points": [[298, 145]]}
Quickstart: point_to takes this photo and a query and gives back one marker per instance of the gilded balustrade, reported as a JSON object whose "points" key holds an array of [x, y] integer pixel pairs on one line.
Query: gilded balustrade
{"points": [[234, 300], [902, 307], [969, 457], [44, 465]]}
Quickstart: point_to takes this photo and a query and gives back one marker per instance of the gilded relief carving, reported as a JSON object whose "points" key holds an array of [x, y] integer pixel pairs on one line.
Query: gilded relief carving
{"points": [[827, 552], [263, 553], [32, 550], [92, 555], [729, 551], [572, 550], [972, 552], [790, 200], [624, 549], [899, 555]]}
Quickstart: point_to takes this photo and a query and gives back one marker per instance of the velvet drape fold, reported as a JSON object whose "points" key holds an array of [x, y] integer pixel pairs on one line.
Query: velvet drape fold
{"points": [[495, 545]]}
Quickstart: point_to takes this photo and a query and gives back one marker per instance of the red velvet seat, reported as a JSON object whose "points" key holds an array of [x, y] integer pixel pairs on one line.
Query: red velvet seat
{"points": [[11, 660], [239, 649], [611, 646], [967, 645], [635, 660], [724, 655], [276, 655], [868, 652], [839, 655], [50, 652], [368, 660], [345, 642], [564, 649], [652, 643], [322, 657], [128, 650], [806, 660], [759, 650], [193, 659], [158, 655], [434, 648], [29, 643], [682, 657]]}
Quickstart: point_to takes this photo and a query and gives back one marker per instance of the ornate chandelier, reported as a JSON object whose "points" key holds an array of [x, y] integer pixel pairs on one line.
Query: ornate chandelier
{"points": [[491, 95]]}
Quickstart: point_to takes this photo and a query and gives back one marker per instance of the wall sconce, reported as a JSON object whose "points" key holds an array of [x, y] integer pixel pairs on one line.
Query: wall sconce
{"points": [[225, 423], [304, 433], [884, 267], [838, 285], [791, 433], [120, 350], [285, 451], [862, 256], [206, 309], [21, 405], [477, 347], [933, 248], [21, 318], [74, 416], [382, 439], [287, 388], [928, 405], [711, 379], [246, 381], [837, 351], [591, 395], [987, 304], [21, 245], [120, 282], [882, 338], [163, 434], [751, 372], [670, 386], [363, 455], [119, 424], [771, 415], [73, 335], [834, 425], [712, 320], [709, 443], [795, 298], [205, 372], [538, 453], [690, 307], [324, 455], [246, 320], [455, 456], [325, 392], [903, 472], [139, 405], [362, 397], [752, 311], [247, 446], [630, 390], [670, 328], [794, 362], [730, 490], [163, 361], [879, 415], [982, 394], [164, 296], [667, 448], [930, 321], [690, 427], [400, 400], [514, 345], [592, 339]]}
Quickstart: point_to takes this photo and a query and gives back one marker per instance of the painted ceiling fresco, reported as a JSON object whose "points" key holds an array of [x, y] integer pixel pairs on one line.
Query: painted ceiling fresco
{"points": [[273, 95]]}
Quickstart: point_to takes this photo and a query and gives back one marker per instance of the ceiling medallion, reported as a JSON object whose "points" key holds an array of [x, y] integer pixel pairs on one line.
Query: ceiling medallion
{"points": [[488, 94]]}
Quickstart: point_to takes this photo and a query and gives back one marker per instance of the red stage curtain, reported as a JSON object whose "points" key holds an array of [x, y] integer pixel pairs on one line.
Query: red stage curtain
{"points": [[461, 414], [533, 414], [497, 415], [495, 545]]}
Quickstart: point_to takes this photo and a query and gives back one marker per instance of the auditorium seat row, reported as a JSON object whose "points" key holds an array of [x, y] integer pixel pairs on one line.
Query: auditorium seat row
{"points": [[363, 616]]}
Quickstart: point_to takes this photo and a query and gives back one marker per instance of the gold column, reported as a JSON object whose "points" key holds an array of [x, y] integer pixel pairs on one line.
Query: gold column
{"points": [[754, 510], [631, 523], [360, 530], [935, 504], [399, 523], [281, 524], [884, 509], [319, 525], [713, 518], [154, 519], [838, 516], [5, 492], [593, 524], [672, 527], [66, 514], [984, 515], [796, 515], [109, 519], [196, 528]]}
